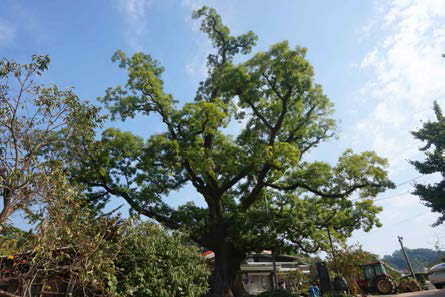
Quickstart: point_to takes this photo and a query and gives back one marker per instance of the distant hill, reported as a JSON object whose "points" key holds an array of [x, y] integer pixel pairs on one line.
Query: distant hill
{"points": [[420, 259]]}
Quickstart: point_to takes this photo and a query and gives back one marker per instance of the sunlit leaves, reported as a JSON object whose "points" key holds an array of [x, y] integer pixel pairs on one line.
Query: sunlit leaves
{"points": [[219, 34], [153, 262], [248, 180]]}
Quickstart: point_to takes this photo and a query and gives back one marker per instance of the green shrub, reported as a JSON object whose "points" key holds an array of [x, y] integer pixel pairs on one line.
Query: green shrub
{"points": [[154, 262], [276, 293]]}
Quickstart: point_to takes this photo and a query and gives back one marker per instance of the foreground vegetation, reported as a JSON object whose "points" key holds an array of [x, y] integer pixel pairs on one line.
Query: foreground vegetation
{"points": [[260, 189], [76, 251]]}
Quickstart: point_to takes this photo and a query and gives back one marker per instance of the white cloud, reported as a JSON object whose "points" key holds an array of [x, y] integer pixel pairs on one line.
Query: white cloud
{"points": [[7, 34], [196, 64], [192, 4], [408, 74], [134, 12]]}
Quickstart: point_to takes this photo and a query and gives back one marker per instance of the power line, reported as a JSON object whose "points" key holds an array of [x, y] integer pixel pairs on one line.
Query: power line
{"points": [[395, 224], [384, 198], [413, 179], [398, 185], [394, 196]]}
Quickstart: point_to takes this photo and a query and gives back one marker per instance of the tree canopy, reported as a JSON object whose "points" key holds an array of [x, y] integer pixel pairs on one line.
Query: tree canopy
{"points": [[433, 134], [259, 188]]}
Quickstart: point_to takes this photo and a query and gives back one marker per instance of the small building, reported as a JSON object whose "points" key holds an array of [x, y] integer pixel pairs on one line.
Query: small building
{"points": [[257, 271]]}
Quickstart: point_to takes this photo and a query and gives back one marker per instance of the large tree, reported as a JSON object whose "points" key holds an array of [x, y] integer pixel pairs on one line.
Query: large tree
{"points": [[433, 134], [259, 190]]}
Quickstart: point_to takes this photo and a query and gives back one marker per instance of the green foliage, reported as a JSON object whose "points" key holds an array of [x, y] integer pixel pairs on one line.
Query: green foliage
{"points": [[39, 125], [71, 240], [247, 181], [349, 258], [14, 240], [109, 256], [259, 190], [276, 293], [155, 263], [433, 134]]}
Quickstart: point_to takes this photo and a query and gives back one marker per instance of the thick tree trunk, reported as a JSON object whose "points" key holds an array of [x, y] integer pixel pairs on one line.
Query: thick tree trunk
{"points": [[226, 279]]}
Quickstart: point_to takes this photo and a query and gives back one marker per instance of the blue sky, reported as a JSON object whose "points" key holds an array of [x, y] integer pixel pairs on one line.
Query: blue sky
{"points": [[378, 61]]}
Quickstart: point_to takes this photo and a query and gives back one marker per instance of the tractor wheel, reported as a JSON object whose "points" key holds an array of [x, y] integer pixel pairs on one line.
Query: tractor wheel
{"points": [[385, 286]]}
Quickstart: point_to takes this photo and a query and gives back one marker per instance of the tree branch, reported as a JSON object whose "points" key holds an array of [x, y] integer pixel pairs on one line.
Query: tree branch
{"points": [[6, 294], [164, 220], [304, 249], [319, 193], [273, 86], [291, 136], [259, 115], [250, 199], [230, 183]]}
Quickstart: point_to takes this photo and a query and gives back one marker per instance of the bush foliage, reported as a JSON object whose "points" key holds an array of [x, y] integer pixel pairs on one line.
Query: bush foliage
{"points": [[104, 255], [153, 262]]}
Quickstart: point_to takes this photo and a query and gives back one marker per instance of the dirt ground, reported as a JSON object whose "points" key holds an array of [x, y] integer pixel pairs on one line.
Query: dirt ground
{"points": [[429, 293]]}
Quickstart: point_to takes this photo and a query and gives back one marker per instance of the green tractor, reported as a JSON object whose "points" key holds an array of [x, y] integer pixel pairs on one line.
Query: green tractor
{"points": [[376, 279]]}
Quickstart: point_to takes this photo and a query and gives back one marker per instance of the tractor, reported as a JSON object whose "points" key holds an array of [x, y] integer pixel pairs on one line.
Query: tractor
{"points": [[376, 279]]}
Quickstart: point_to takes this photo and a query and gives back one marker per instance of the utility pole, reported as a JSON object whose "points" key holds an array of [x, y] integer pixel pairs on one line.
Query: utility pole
{"points": [[332, 249], [275, 276], [406, 258], [274, 263]]}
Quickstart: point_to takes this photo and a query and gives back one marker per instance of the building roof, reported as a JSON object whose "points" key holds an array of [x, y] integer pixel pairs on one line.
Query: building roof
{"points": [[262, 262]]}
